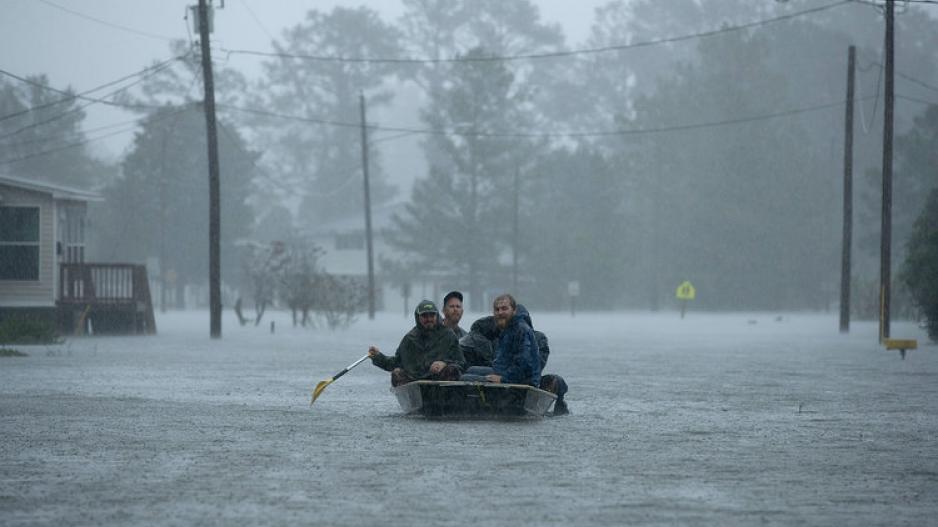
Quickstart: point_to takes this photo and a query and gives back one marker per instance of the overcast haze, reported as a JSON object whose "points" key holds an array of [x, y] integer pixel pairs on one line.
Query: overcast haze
{"points": [[661, 186], [669, 141], [75, 51]]}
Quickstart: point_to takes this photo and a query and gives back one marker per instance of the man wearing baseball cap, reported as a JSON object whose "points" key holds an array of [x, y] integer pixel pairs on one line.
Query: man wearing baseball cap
{"points": [[452, 313], [428, 351]]}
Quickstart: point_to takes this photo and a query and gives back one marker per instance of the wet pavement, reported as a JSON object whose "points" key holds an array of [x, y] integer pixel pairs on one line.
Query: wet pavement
{"points": [[715, 419]]}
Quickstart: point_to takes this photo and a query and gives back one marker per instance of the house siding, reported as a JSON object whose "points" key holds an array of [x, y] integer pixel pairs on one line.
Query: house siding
{"points": [[39, 293]]}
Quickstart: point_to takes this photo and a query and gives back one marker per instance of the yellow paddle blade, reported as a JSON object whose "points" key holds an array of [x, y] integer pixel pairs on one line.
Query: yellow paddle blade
{"points": [[319, 388]]}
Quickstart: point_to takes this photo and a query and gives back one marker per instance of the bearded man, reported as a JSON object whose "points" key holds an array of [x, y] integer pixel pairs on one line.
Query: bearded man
{"points": [[517, 360], [452, 313], [428, 351]]}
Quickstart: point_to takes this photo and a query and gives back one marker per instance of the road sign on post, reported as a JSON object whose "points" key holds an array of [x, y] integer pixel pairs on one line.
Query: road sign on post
{"points": [[685, 292]]}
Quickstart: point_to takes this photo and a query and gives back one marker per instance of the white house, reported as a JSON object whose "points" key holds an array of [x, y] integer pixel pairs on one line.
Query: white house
{"points": [[41, 226], [43, 273], [346, 255]]}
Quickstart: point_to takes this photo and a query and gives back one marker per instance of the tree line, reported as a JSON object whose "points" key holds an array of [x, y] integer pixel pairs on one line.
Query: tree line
{"points": [[628, 168]]}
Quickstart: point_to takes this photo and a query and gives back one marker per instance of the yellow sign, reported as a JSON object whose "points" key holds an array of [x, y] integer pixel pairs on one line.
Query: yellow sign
{"points": [[686, 291]]}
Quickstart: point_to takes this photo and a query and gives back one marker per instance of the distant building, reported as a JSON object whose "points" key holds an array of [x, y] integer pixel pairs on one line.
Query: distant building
{"points": [[346, 255], [43, 273]]}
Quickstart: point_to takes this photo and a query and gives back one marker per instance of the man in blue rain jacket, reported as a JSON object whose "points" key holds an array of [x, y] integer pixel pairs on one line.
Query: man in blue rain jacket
{"points": [[517, 360]]}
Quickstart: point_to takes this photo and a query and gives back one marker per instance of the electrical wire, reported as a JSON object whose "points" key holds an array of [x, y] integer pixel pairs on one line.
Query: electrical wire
{"points": [[545, 55], [913, 99], [106, 23], [82, 107], [917, 81], [83, 95], [355, 174], [256, 19], [568, 134], [879, 81], [88, 140], [48, 139]]}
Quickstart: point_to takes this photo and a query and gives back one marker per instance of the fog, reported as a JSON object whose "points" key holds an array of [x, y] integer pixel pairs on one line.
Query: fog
{"points": [[587, 157], [660, 183]]}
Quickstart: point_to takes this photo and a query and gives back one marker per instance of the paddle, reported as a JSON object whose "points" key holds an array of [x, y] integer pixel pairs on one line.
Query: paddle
{"points": [[322, 384]]}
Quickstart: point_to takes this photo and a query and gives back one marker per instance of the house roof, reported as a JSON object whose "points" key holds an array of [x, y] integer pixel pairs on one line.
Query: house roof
{"points": [[57, 191], [380, 218]]}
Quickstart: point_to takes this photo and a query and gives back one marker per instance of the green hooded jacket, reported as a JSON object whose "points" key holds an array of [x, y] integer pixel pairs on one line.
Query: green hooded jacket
{"points": [[421, 347]]}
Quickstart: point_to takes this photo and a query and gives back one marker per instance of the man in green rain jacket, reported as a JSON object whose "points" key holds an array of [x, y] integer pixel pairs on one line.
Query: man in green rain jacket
{"points": [[429, 351]]}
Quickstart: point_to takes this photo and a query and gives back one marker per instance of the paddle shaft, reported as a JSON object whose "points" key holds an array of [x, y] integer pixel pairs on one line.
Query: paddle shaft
{"points": [[349, 367]]}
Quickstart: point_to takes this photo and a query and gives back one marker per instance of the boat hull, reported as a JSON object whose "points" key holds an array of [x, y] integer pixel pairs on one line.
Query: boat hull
{"points": [[472, 399]]}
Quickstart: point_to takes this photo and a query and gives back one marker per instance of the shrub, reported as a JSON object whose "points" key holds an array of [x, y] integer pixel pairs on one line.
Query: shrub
{"points": [[920, 271], [16, 330]]}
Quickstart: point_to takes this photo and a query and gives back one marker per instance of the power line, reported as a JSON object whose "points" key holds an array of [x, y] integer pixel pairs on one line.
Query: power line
{"points": [[256, 19], [83, 95], [444, 132], [85, 141], [354, 172], [913, 99], [877, 4], [106, 23], [917, 81], [568, 134], [904, 75], [82, 107], [879, 81], [545, 55], [49, 138]]}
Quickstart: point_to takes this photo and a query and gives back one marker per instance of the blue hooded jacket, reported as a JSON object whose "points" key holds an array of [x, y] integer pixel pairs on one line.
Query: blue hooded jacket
{"points": [[517, 359]]}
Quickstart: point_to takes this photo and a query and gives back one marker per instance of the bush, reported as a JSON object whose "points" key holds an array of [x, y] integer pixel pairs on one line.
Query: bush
{"points": [[920, 271], [864, 300], [16, 330]]}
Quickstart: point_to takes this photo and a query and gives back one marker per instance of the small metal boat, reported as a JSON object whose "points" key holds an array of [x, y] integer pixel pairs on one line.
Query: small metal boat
{"points": [[472, 399]]}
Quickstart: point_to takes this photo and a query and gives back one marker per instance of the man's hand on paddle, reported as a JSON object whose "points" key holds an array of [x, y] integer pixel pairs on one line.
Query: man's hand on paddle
{"points": [[437, 366], [373, 351]]}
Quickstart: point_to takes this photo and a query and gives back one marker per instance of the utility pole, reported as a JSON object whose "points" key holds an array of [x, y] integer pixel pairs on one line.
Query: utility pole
{"points": [[214, 209], [885, 274], [848, 196], [515, 233], [371, 264]]}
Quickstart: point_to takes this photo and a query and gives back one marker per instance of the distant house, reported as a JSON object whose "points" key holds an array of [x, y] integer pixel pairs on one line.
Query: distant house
{"points": [[346, 255], [43, 273]]}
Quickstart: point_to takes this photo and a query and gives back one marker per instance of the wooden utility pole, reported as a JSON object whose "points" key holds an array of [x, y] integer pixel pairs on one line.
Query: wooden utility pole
{"points": [[885, 255], [214, 208], [368, 242], [515, 233], [848, 196]]}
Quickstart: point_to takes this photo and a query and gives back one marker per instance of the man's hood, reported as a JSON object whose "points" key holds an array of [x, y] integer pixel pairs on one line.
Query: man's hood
{"points": [[486, 327], [521, 313]]}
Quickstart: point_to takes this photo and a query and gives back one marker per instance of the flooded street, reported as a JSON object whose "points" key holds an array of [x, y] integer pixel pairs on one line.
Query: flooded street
{"points": [[715, 419]]}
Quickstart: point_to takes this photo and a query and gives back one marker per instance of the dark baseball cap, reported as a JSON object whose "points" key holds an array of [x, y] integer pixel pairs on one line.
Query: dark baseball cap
{"points": [[452, 294], [426, 306]]}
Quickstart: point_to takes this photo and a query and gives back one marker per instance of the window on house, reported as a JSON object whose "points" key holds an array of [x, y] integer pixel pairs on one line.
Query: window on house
{"points": [[350, 241], [19, 243]]}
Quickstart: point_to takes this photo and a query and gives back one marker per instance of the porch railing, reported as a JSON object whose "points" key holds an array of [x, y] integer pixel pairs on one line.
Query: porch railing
{"points": [[99, 285]]}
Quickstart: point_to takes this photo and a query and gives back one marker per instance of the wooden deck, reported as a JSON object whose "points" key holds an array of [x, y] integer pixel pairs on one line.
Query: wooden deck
{"points": [[105, 298]]}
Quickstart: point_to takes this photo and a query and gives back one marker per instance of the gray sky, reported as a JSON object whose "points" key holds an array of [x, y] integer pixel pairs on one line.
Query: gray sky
{"points": [[86, 43]]}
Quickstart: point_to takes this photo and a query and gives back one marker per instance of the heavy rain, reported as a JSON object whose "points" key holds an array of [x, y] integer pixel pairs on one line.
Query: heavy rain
{"points": [[448, 262]]}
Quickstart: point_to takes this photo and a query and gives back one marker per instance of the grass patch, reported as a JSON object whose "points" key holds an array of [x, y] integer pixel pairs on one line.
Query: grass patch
{"points": [[28, 331], [10, 352]]}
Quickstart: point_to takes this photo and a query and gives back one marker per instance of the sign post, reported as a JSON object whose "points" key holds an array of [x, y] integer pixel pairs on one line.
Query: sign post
{"points": [[573, 289], [685, 292]]}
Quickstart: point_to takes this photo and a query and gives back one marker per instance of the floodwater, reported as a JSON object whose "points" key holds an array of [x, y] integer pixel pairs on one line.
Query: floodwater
{"points": [[715, 419]]}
